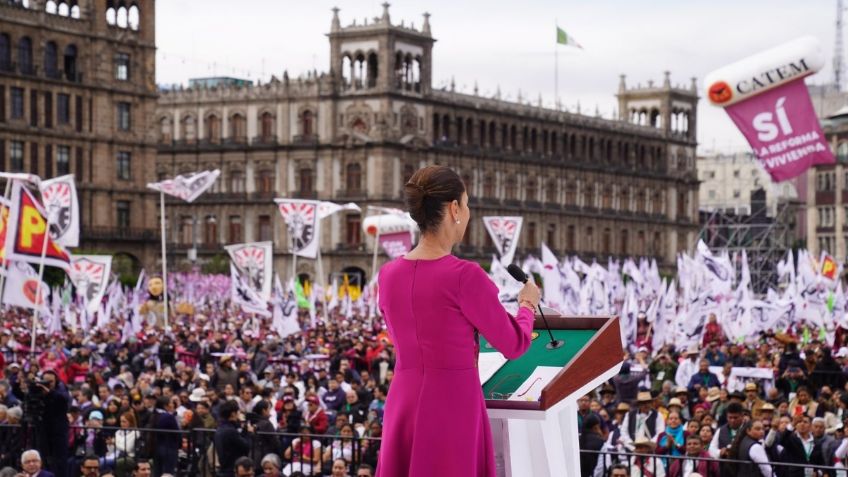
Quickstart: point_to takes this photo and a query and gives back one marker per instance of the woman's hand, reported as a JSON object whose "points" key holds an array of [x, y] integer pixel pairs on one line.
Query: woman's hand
{"points": [[529, 295]]}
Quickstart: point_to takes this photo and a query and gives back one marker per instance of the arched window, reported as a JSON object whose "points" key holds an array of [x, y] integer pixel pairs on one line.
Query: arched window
{"points": [[165, 134], [122, 17], [238, 128], [306, 181], [265, 182], [71, 63], [372, 70], [489, 186], [111, 15], [625, 242], [75, 11], [25, 55], [353, 177], [213, 128], [236, 182], [51, 7], [510, 188], [210, 230], [64, 9], [266, 121], [532, 191], [306, 126], [5, 52], [133, 17], [189, 129], [469, 131], [551, 191], [606, 242], [51, 62]]}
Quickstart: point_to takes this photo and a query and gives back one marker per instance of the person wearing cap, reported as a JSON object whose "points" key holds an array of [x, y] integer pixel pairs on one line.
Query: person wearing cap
{"points": [[91, 440], [753, 402], [226, 373], [687, 368], [315, 417], [643, 463], [643, 421]]}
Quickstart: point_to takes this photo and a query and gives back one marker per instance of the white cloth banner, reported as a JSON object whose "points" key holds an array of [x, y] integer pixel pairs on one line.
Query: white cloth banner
{"points": [[254, 262], [504, 232], [188, 187], [301, 217], [326, 209], [739, 376], [59, 197], [244, 296], [90, 276], [21, 288]]}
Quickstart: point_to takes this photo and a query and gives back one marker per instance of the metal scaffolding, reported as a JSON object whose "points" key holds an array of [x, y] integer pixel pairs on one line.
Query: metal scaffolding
{"points": [[764, 239]]}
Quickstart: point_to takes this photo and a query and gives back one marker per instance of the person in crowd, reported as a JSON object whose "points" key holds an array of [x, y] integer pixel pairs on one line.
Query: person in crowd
{"points": [[365, 470], [304, 453], [271, 466], [230, 444], [591, 441], [721, 443], [315, 417], [627, 382], [243, 467], [703, 378], [31, 464], [753, 403], [748, 446], [799, 446], [642, 422], [698, 460], [166, 441], [644, 463], [672, 441], [687, 368]]}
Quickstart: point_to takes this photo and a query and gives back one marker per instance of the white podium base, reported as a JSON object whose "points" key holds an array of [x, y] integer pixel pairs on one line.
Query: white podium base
{"points": [[538, 448]]}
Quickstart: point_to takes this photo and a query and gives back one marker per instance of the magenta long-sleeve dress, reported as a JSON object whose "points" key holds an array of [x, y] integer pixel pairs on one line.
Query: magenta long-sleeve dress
{"points": [[435, 421]]}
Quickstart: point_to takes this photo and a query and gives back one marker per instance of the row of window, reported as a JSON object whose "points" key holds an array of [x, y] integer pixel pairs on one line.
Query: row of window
{"points": [[237, 124], [826, 181], [38, 103], [57, 160], [827, 216], [492, 135]]}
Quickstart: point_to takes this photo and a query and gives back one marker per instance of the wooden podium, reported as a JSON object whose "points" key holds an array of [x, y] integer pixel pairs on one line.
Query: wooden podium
{"points": [[539, 438]]}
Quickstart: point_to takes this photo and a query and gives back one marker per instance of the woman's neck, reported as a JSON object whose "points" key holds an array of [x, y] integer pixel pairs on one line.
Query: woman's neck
{"points": [[433, 245]]}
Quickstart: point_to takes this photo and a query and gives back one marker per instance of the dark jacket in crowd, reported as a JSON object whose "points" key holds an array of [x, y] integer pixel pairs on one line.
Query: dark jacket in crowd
{"points": [[794, 453], [591, 441], [230, 445]]}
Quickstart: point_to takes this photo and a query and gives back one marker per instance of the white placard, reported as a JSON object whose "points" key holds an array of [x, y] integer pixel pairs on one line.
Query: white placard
{"points": [[531, 388], [488, 364]]}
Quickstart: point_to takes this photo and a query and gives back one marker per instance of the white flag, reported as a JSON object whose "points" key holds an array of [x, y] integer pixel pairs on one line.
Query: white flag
{"points": [[21, 288], [244, 296], [326, 209], [301, 217], [504, 232], [284, 320], [255, 262], [187, 187], [90, 275], [59, 197], [551, 280]]}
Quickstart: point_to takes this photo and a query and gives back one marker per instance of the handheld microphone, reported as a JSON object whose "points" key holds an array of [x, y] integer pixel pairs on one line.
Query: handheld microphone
{"points": [[518, 274]]}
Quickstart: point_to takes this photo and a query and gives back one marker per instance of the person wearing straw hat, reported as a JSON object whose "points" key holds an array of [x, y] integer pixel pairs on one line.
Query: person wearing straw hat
{"points": [[643, 421], [753, 402], [644, 463]]}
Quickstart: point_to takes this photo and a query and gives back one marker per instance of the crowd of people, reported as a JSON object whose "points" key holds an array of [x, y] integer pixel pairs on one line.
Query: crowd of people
{"points": [[218, 394], [691, 408]]}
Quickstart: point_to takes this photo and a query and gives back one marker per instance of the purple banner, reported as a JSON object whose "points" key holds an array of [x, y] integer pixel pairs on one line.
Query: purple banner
{"points": [[396, 244], [781, 126]]}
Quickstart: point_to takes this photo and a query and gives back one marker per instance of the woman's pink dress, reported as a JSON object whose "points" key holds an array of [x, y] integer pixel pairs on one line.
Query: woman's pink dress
{"points": [[435, 421]]}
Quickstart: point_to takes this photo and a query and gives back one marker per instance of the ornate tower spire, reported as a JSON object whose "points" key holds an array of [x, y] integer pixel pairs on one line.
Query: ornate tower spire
{"points": [[385, 19], [336, 25]]}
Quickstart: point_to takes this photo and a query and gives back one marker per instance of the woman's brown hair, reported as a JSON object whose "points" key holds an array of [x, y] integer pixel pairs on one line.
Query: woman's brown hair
{"points": [[426, 193]]}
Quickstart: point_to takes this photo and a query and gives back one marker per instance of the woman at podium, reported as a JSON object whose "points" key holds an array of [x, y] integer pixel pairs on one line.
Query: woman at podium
{"points": [[435, 304]]}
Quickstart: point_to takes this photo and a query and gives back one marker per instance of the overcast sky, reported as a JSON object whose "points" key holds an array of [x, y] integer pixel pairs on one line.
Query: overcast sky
{"points": [[506, 44]]}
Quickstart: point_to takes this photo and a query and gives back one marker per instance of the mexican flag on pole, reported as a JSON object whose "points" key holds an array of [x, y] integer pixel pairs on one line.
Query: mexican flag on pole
{"points": [[564, 38]]}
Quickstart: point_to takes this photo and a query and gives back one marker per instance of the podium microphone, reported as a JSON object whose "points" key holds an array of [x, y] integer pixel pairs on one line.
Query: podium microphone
{"points": [[518, 274]]}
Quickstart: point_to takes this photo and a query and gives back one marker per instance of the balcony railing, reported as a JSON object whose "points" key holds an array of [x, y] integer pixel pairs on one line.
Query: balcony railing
{"points": [[119, 233]]}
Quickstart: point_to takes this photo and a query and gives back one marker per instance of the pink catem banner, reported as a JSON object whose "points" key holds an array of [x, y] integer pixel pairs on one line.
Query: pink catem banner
{"points": [[781, 126], [396, 244]]}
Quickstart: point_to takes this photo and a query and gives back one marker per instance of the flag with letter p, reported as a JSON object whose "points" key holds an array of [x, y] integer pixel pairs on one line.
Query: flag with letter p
{"points": [[27, 231], [766, 97]]}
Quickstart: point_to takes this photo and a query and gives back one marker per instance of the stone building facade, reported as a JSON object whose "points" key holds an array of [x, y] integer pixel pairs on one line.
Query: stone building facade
{"points": [[78, 96], [584, 185]]}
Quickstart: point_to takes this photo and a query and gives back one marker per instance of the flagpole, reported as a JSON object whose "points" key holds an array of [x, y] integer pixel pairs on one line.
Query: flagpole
{"points": [[38, 296], [556, 67], [294, 256], [5, 263], [164, 256], [323, 283], [376, 250]]}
